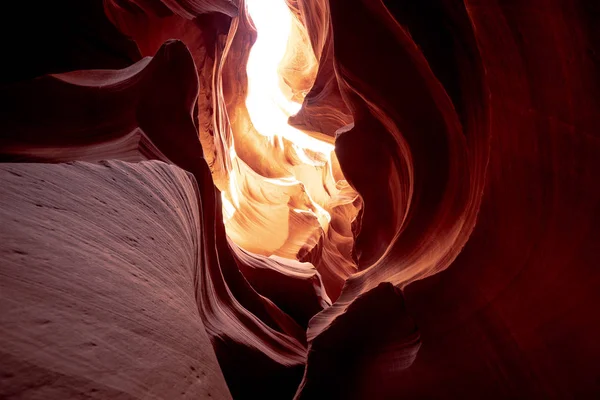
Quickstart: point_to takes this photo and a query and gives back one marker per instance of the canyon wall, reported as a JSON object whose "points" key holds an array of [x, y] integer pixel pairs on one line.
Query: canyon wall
{"points": [[467, 128]]}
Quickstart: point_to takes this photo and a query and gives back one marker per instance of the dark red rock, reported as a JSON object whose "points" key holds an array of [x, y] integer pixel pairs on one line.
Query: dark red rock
{"points": [[469, 128], [361, 354]]}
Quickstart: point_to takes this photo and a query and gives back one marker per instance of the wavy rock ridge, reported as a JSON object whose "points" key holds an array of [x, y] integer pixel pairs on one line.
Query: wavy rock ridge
{"points": [[447, 250]]}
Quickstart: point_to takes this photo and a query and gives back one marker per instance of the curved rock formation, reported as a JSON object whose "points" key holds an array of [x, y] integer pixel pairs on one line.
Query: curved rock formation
{"points": [[383, 199], [96, 300]]}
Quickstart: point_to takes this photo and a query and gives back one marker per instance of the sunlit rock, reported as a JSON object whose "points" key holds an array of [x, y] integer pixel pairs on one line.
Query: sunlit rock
{"points": [[362, 199]]}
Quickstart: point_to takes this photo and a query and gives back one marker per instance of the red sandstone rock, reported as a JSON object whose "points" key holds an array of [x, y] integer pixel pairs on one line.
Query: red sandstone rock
{"points": [[469, 131], [99, 278], [126, 121]]}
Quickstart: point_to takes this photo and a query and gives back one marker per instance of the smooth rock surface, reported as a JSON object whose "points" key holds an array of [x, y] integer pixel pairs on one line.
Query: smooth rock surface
{"points": [[97, 288]]}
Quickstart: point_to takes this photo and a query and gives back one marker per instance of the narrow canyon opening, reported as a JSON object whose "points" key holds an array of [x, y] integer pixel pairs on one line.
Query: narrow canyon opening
{"points": [[300, 199], [283, 192]]}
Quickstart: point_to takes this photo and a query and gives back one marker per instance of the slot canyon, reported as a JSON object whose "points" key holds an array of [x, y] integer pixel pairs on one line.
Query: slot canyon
{"points": [[300, 199]]}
